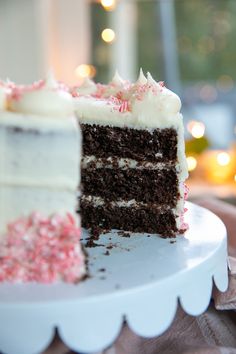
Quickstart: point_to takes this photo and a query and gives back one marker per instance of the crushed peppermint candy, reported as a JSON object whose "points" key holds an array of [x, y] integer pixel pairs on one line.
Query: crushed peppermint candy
{"points": [[42, 249]]}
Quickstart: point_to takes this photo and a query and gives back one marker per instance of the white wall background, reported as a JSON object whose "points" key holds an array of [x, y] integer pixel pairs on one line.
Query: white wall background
{"points": [[38, 34]]}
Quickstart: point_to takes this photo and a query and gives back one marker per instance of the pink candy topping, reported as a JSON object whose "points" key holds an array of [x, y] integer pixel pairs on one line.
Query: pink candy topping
{"points": [[120, 100], [184, 226], [40, 249]]}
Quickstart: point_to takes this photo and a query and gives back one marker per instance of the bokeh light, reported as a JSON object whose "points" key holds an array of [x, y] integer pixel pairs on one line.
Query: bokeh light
{"points": [[196, 129], [109, 5], [108, 35], [223, 158], [85, 70], [225, 83], [192, 163], [208, 93]]}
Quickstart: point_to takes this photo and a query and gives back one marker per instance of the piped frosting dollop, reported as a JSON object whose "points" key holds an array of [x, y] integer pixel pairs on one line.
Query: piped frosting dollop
{"points": [[46, 98]]}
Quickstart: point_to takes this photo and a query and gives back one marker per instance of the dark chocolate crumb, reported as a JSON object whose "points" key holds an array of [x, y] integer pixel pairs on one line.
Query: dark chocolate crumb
{"points": [[102, 270], [109, 247], [172, 241], [124, 234], [90, 244], [107, 253]]}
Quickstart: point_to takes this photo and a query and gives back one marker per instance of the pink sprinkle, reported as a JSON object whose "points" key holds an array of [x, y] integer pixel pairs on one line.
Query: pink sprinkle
{"points": [[124, 107], [41, 249], [186, 191]]}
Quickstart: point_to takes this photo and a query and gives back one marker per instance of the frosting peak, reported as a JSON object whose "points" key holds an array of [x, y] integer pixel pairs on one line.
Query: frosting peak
{"points": [[117, 80], [50, 82], [150, 79], [141, 79], [88, 87]]}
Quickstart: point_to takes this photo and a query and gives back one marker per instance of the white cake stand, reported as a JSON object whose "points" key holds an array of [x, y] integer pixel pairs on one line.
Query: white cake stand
{"points": [[141, 280]]}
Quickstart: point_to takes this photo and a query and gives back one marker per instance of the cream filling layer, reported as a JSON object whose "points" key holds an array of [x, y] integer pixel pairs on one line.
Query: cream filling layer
{"points": [[98, 201], [132, 203], [125, 163]]}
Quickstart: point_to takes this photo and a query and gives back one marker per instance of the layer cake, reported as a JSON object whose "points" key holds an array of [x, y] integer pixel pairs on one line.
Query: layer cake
{"points": [[39, 178], [134, 165]]}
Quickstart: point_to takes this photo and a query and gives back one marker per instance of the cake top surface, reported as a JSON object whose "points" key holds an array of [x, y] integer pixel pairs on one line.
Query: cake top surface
{"points": [[145, 103], [44, 98]]}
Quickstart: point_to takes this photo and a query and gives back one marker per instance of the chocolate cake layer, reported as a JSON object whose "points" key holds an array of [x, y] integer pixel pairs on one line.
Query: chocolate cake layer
{"points": [[159, 186], [105, 141], [147, 219]]}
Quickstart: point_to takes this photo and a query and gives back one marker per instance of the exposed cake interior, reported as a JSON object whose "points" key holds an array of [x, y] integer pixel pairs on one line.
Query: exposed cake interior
{"points": [[134, 165]]}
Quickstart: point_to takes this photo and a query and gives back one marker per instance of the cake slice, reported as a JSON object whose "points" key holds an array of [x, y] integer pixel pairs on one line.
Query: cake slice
{"points": [[39, 178], [134, 165]]}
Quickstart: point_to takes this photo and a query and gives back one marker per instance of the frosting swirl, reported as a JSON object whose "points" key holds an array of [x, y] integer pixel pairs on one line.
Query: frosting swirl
{"points": [[47, 98]]}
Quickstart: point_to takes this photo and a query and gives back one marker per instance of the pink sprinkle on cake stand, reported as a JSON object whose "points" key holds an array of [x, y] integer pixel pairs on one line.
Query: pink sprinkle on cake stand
{"points": [[139, 278]]}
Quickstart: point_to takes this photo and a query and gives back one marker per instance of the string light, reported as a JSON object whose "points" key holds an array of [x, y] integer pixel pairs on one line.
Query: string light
{"points": [[85, 70], [223, 158], [192, 163], [109, 5], [108, 35], [197, 129]]}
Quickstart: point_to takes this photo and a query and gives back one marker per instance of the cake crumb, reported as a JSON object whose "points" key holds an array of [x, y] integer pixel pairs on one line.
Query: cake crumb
{"points": [[102, 270], [124, 233], [91, 244]]}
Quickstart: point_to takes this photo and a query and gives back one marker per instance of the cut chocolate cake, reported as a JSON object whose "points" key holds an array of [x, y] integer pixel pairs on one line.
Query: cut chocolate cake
{"points": [[134, 165]]}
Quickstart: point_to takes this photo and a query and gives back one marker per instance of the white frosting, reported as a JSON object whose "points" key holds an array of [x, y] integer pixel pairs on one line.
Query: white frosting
{"points": [[3, 98], [40, 158], [88, 87], [16, 201], [117, 80], [49, 100], [116, 85], [141, 79]]}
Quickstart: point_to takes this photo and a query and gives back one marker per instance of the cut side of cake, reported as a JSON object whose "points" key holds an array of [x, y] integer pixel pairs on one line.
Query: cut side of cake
{"points": [[134, 165], [40, 144]]}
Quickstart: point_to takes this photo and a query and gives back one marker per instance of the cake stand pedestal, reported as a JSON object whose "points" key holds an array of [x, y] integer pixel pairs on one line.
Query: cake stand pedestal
{"points": [[139, 278]]}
